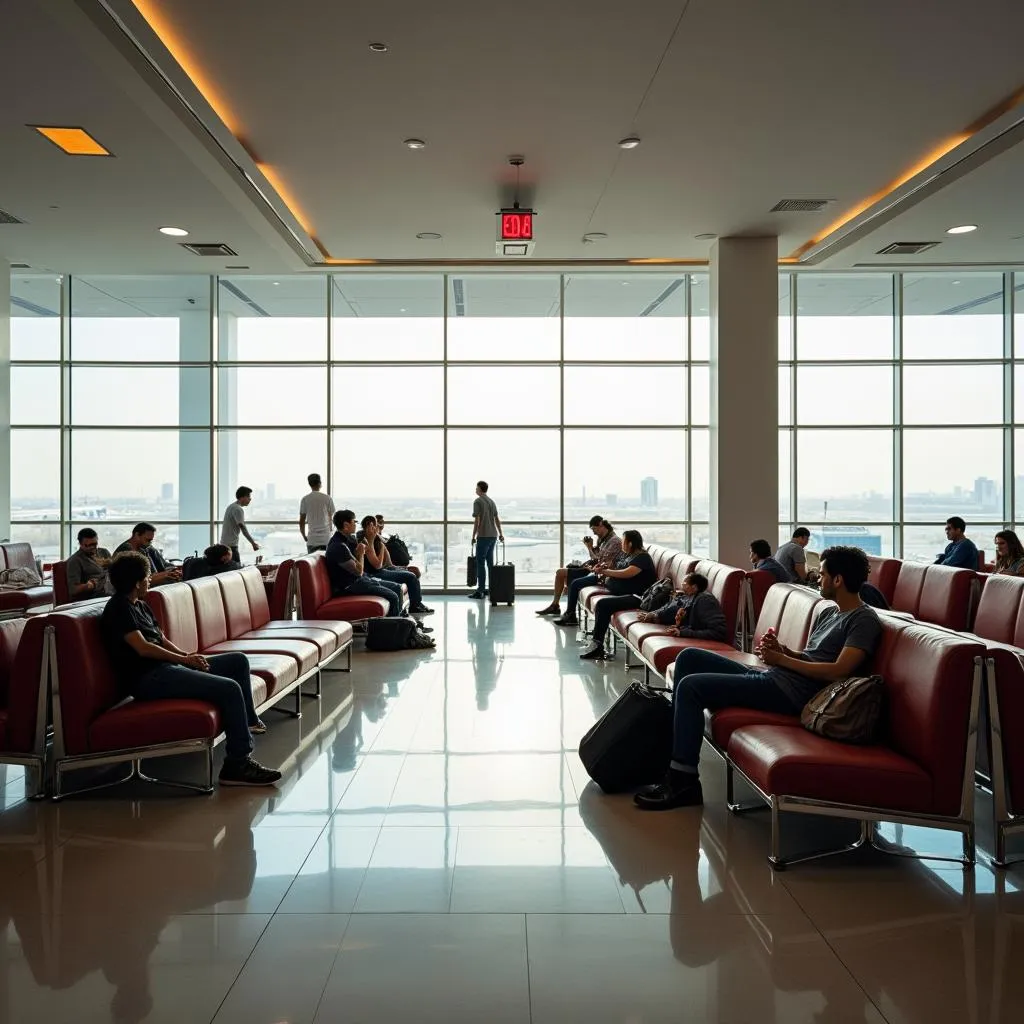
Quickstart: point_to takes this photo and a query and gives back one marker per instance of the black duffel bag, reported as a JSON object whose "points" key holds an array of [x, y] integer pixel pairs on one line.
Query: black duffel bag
{"points": [[390, 633]]}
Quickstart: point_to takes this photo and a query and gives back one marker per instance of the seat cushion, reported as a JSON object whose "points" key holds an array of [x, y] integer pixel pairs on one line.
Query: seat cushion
{"points": [[146, 723], [588, 595], [342, 630], [788, 760], [325, 639], [236, 603], [275, 671], [349, 609], [28, 597], [638, 632], [662, 651], [306, 654], [722, 724], [621, 621]]}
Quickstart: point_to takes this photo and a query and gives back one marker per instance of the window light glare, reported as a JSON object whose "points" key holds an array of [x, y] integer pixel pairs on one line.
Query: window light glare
{"points": [[174, 232], [962, 229]]}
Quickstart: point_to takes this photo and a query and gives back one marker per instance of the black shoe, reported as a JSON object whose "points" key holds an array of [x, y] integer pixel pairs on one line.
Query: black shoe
{"points": [[476, 595], [424, 629], [247, 773], [421, 609], [566, 620], [594, 652], [552, 609], [681, 789]]}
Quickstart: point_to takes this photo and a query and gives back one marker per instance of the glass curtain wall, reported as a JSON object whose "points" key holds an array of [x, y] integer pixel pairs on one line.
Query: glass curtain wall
{"points": [[139, 398]]}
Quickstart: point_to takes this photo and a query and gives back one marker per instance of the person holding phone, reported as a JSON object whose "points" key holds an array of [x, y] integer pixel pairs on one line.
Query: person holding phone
{"points": [[346, 565], [602, 554]]}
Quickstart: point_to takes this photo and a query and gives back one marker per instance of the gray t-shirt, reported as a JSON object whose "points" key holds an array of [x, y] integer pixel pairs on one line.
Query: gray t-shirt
{"points": [[487, 511], [234, 517], [82, 567], [318, 508], [789, 556], [835, 630]]}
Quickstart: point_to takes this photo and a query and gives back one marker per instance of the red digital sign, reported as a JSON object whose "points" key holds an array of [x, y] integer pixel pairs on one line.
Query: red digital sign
{"points": [[517, 225]]}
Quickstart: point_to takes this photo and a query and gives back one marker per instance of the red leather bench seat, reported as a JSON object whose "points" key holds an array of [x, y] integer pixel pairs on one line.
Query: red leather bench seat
{"points": [[884, 574], [19, 556], [316, 601], [150, 723]]}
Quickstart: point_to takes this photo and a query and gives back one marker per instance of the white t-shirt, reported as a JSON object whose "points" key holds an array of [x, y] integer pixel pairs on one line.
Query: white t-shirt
{"points": [[318, 508]]}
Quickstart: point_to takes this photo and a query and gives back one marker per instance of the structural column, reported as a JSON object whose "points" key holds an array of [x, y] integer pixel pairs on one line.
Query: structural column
{"points": [[194, 401], [744, 396], [5, 400]]}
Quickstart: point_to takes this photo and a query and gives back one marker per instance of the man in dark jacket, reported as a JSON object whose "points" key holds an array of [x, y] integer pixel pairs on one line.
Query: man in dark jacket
{"points": [[216, 558], [695, 613]]}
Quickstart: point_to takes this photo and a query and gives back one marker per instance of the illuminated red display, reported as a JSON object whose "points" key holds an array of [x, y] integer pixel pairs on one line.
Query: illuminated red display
{"points": [[517, 225]]}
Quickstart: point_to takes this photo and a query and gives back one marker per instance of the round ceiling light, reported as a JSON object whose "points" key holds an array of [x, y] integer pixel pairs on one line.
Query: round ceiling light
{"points": [[963, 229], [428, 236], [595, 236], [629, 142], [175, 232], [705, 236], [379, 47], [414, 144]]}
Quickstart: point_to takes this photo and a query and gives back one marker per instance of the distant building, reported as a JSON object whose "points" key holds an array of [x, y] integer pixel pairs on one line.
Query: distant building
{"points": [[271, 492], [167, 492], [611, 500], [986, 492], [649, 492]]}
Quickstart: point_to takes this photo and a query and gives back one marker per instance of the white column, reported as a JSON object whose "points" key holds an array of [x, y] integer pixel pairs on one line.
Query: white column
{"points": [[227, 412], [5, 400], [744, 396], [194, 445]]}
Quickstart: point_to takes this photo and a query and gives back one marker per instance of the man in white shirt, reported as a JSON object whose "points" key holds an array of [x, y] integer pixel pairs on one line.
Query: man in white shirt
{"points": [[316, 513], [234, 523]]}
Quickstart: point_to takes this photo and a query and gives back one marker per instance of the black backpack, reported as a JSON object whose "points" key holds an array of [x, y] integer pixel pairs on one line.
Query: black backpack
{"points": [[395, 633], [397, 550]]}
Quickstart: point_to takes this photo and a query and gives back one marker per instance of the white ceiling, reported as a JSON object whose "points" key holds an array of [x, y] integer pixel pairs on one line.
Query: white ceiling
{"points": [[745, 104]]}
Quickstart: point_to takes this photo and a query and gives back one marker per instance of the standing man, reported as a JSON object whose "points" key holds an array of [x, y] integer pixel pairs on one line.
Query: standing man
{"points": [[87, 567], [141, 540], [316, 510], [486, 534], [960, 551], [791, 555], [234, 523]]}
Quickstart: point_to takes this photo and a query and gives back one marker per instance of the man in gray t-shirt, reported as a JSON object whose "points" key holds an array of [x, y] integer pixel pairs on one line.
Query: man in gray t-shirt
{"points": [[234, 523], [791, 555], [486, 533]]}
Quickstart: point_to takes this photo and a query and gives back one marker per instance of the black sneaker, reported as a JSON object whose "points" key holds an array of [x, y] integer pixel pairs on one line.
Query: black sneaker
{"points": [[421, 609], [476, 595], [676, 792], [247, 773], [565, 620], [551, 609], [424, 629], [594, 652]]}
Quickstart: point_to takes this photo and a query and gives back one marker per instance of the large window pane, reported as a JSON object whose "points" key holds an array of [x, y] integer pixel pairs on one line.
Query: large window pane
{"points": [[629, 474], [364, 477], [786, 395], [844, 316], [159, 396], [264, 395], [700, 318], [533, 549], [625, 394], [874, 540], [35, 474], [844, 475], [837, 395], [952, 316], [386, 317], [140, 319], [426, 550], [1018, 474], [272, 318], [953, 394], [785, 475], [926, 543], [397, 395], [700, 395], [625, 316], [35, 316], [145, 474], [503, 394], [492, 316], [521, 467], [35, 395], [700, 474], [44, 538], [785, 317], [952, 472]]}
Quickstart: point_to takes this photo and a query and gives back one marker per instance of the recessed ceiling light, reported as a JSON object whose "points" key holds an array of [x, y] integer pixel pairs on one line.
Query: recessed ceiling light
{"points": [[379, 47], [276, 283], [594, 236], [401, 309], [956, 282], [963, 229], [629, 142], [414, 144], [175, 232], [74, 141], [428, 236], [705, 236]]}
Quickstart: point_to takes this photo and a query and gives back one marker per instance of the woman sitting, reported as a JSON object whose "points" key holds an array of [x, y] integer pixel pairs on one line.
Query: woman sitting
{"points": [[1009, 554], [378, 563], [627, 583], [695, 613]]}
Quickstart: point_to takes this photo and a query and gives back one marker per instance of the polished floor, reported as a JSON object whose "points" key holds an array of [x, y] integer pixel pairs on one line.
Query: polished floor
{"points": [[436, 853]]}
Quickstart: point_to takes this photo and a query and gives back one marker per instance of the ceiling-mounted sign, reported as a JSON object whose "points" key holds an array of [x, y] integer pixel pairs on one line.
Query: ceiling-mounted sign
{"points": [[515, 232]]}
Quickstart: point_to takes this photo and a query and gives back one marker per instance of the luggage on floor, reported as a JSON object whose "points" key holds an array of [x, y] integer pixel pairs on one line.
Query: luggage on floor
{"points": [[630, 745], [390, 633], [471, 571], [501, 581]]}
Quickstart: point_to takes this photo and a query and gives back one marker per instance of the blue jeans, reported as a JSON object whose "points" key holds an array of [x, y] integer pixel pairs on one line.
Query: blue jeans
{"points": [[484, 557], [705, 679], [391, 592], [574, 591], [226, 686], [401, 576]]}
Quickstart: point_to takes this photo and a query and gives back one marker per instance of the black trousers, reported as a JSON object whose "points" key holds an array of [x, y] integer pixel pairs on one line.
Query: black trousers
{"points": [[606, 607]]}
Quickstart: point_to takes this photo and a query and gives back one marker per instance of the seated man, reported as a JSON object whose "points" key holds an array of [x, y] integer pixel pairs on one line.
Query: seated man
{"points": [[840, 646], [695, 613], [411, 568], [608, 549], [960, 552], [87, 567], [761, 558], [791, 555], [345, 565], [216, 558], [149, 667], [378, 564], [141, 541]]}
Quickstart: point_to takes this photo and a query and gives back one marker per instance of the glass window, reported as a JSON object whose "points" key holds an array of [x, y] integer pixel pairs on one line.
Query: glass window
{"points": [[634, 474], [141, 474], [426, 551], [844, 475], [700, 474], [521, 466], [1018, 476], [44, 538], [140, 319], [397, 473], [700, 318], [625, 317], [837, 395], [625, 394], [700, 395], [493, 316], [952, 472], [534, 549], [264, 395], [163, 396], [953, 394], [35, 316], [35, 395], [387, 317], [785, 475], [952, 316], [395, 395], [926, 543], [503, 394], [844, 316], [786, 395], [35, 474], [272, 318], [873, 540], [785, 317]]}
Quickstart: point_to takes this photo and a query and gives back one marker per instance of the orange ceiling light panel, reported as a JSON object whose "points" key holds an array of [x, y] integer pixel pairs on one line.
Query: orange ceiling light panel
{"points": [[74, 141]]}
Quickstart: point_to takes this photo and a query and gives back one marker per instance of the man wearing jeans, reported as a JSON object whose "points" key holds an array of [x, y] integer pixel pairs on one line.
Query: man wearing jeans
{"points": [[841, 644], [486, 534], [149, 667], [345, 565]]}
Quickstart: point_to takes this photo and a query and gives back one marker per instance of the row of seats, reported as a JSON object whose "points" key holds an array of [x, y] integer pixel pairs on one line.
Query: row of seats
{"points": [[59, 657], [14, 603], [939, 594]]}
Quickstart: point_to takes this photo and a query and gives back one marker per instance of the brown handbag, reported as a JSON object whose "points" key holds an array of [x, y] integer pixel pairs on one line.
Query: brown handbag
{"points": [[848, 710]]}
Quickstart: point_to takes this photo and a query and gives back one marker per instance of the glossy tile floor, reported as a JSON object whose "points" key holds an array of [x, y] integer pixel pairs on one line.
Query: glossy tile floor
{"points": [[436, 853]]}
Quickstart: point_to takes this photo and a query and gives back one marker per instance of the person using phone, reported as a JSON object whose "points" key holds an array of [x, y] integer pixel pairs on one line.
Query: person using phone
{"points": [[603, 554], [141, 540], [346, 565]]}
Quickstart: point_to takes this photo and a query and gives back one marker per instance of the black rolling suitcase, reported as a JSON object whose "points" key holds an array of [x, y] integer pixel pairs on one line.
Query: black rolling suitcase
{"points": [[502, 581], [630, 745]]}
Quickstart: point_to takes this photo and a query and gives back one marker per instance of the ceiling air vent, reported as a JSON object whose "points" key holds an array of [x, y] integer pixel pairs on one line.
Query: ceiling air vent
{"points": [[9, 218], [20, 266], [799, 205], [906, 248], [208, 248]]}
